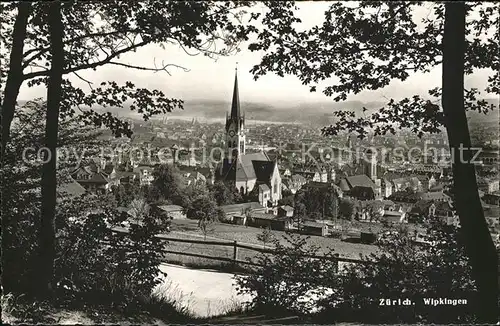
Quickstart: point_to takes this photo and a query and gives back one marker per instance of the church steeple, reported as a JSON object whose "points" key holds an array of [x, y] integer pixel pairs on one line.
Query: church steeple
{"points": [[235, 105], [235, 124]]}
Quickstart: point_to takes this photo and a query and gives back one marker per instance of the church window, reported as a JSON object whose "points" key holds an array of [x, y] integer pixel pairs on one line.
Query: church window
{"points": [[275, 186]]}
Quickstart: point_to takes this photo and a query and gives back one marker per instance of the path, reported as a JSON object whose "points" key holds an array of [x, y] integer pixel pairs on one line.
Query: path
{"points": [[205, 293]]}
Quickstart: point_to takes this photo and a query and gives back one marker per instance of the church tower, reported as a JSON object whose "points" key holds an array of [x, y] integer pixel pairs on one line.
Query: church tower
{"points": [[235, 126], [370, 164]]}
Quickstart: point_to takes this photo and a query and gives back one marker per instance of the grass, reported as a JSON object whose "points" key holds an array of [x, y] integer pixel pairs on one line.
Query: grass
{"points": [[188, 229], [167, 304]]}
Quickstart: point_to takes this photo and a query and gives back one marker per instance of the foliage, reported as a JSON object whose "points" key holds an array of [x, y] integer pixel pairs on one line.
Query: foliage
{"points": [[125, 193], [366, 46], [167, 185], [402, 269], [286, 277], [224, 194], [319, 202], [266, 236], [99, 33], [95, 264], [287, 198], [205, 210], [346, 208], [406, 270], [196, 190], [21, 198]]}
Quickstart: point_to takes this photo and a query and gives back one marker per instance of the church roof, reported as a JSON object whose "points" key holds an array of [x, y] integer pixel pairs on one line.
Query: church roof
{"points": [[243, 168], [360, 181], [263, 170]]}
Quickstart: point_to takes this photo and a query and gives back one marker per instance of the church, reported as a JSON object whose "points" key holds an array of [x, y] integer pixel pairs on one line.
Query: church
{"points": [[247, 172]]}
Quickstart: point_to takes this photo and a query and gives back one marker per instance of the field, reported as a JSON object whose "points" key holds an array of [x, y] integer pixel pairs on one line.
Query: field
{"points": [[188, 229]]}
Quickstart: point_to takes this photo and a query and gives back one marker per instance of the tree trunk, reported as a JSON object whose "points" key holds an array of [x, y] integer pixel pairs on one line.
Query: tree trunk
{"points": [[478, 243], [15, 75], [49, 176]]}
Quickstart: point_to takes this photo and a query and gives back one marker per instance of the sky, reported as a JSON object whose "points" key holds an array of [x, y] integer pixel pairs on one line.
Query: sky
{"points": [[213, 79]]}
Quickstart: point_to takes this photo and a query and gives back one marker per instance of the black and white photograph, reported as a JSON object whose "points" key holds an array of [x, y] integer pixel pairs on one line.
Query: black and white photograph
{"points": [[250, 162]]}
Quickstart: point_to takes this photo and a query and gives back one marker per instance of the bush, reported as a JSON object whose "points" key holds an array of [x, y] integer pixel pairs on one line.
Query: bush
{"points": [[97, 265], [406, 270], [403, 269], [287, 278]]}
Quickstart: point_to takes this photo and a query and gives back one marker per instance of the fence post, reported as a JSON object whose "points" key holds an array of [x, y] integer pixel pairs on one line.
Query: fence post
{"points": [[337, 261], [235, 252]]}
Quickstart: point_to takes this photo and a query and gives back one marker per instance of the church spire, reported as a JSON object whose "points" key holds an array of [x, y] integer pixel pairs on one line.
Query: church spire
{"points": [[235, 106]]}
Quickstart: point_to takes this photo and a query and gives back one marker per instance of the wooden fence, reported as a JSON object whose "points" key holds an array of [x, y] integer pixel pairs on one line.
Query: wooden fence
{"points": [[236, 246]]}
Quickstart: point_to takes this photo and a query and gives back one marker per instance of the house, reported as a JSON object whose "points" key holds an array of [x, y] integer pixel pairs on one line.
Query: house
{"points": [[370, 210], [240, 219], [309, 175], [394, 216], [269, 221], [70, 188], [386, 187], [295, 182], [360, 186], [196, 174], [492, 199], [264, 195], [127, 177], [176, 212], [313, 228], [411, 197], [285, 172], [243, 208], [285, 210], [435, 196], [488, 185], [93, 179], [431, 208], [194, 178], [145, 174]]}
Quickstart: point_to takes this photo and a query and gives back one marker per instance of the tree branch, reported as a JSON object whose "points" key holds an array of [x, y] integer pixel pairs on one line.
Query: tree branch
{"points": [[41, 51], [89, 65], [83, 79], [163, 68]]}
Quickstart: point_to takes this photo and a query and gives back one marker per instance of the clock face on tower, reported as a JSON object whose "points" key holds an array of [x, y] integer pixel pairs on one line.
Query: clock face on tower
{"points": [[231, 133]]}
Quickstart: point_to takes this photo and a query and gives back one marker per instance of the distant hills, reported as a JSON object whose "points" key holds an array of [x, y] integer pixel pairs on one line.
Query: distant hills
{"points": [[310, 112], [315, 113]]}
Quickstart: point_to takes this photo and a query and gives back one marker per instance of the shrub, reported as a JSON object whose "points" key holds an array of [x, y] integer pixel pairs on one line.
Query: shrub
{"points": [[287, 278], [402, 269], [266, 236], [406, 270], [97, 265]]}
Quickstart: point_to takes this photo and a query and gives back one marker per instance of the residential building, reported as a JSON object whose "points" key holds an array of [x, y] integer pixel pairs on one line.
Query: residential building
{"points": [[360, 187]]}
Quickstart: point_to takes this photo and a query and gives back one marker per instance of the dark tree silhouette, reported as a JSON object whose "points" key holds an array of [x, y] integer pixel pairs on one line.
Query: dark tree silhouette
{"points": [[15, 75], [367, 45], [49, 172]]}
